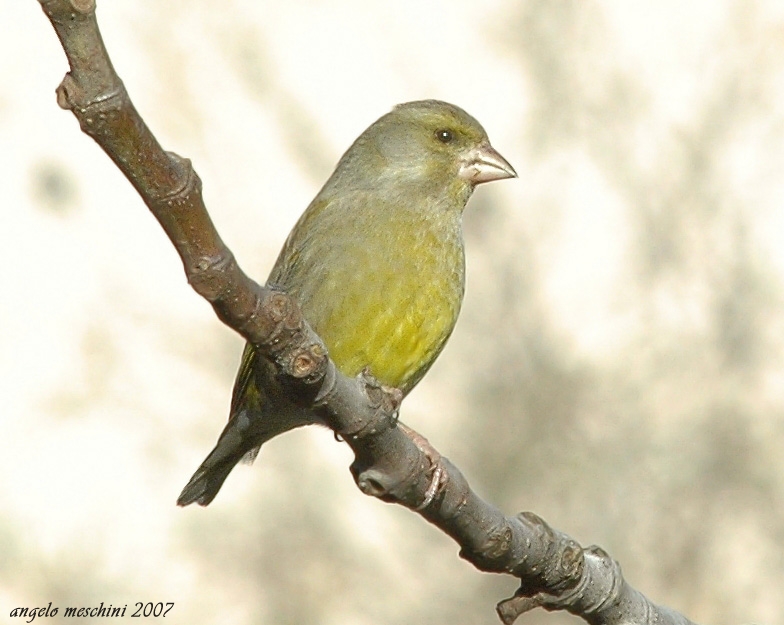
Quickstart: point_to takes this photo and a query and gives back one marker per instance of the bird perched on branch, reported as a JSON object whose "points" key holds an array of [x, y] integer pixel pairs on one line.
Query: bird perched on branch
{"points": [[376, 264]]}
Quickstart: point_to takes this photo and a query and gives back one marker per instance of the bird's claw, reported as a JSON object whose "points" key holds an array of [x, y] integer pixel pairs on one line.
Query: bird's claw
{"points": [[386, 398], [437, 483], [438, 475]]}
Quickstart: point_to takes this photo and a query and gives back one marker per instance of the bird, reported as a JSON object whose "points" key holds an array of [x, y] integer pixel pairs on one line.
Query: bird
{"points": [[377, 265]]}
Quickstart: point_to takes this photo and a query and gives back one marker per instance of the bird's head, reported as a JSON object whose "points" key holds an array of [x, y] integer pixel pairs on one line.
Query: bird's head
{"points": [[429, 142]]}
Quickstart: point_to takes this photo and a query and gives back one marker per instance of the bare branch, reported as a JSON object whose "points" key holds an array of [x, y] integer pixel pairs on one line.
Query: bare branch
{"points": [[555, 572]]}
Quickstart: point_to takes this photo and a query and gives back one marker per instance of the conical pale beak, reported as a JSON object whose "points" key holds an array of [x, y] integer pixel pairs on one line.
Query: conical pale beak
{"points": [[484, 164]]}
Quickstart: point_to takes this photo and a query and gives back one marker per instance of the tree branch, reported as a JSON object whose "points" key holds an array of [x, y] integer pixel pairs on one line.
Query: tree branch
{"points": [[555, 572]]}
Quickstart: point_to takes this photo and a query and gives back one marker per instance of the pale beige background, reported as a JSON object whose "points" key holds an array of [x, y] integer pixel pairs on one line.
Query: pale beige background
{"points": [[619, 366]]}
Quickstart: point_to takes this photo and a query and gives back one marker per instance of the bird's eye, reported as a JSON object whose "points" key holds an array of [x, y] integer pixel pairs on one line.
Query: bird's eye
{"points": [[444, 135]]}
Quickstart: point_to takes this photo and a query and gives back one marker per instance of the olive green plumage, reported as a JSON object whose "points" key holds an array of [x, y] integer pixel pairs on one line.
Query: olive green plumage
{"points": [[376, 263]]}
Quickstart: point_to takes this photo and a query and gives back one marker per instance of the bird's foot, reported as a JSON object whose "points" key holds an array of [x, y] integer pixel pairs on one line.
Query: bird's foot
{"points": [[385, 398], [438, 475]]}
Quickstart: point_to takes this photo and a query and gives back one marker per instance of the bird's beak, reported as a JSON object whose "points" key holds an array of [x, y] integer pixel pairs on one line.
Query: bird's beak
{"points": [[484, 164]]}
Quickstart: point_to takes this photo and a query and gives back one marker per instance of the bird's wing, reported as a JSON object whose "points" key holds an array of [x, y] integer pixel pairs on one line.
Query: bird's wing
{"points": [[244, 377]]}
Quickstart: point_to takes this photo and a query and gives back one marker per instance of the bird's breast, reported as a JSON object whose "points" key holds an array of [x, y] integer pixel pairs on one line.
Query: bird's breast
{"points": [[385, 298]]}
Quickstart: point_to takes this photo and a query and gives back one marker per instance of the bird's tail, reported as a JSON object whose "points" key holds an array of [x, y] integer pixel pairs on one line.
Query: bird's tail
{"points": [[260, 410], [206, 482], [241, 439]]}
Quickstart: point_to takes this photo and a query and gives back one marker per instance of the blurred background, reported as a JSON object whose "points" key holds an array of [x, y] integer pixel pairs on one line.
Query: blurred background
{"points": [[618, 367]]}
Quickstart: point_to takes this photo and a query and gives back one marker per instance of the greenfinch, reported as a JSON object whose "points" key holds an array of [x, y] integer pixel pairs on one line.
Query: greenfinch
{"points": [[376, 264]]}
